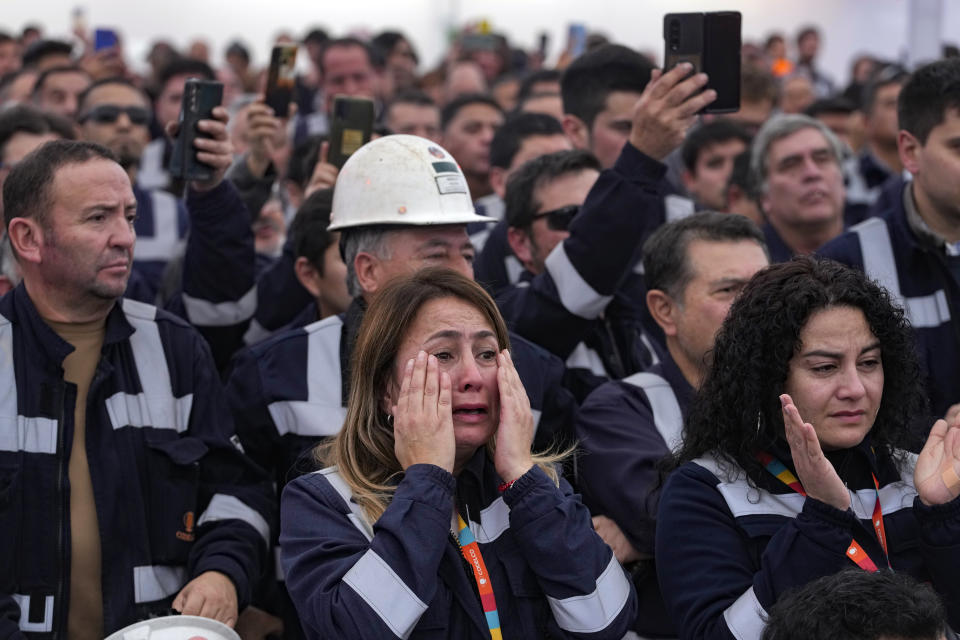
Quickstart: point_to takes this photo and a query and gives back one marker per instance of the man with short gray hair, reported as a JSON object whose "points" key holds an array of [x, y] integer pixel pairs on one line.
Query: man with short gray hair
{"points": [[796, 162]]}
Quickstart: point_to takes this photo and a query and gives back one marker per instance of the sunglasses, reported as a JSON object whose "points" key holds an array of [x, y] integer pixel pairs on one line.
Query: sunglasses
{"points": [[559, 219], [110, 113]]}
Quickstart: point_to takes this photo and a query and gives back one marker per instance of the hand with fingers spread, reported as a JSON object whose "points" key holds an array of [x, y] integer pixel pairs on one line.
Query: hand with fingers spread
{"points": [[324, 174], [515, 433], [937, 474], [215, 150], [423, 415], [210, 595], [814, 471], [667, 108]]}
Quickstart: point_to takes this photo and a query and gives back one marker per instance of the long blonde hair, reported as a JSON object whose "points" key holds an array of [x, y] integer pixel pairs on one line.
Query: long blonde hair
{"points": [[364, 448]]}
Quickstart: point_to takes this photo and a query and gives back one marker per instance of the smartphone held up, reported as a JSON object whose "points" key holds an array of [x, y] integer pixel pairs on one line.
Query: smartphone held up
{"points": [[281, 79], [350, 127], [710, 42], [199, 99]]}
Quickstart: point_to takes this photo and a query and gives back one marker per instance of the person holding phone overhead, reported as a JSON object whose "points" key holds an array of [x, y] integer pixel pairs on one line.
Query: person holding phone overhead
{"points": [[432, 518], [794, 462]]}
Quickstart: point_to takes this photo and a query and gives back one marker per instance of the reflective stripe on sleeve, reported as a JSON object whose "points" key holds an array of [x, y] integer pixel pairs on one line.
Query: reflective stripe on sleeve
{"points": [[152, 583], [203, 313], [595, 611], [45, 625], [382, 589], [583, 357], [305, 418], [745, 617], [494, 520], [576, 294], [224, 507]]}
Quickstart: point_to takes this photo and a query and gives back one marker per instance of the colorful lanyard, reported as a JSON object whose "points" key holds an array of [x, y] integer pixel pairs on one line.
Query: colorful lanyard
{"points": [[855, 552], [471, 553]]}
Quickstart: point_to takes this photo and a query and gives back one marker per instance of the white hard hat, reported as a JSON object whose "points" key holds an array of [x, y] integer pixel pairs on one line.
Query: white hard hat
{"points": [[176, 628], [401, 180]]}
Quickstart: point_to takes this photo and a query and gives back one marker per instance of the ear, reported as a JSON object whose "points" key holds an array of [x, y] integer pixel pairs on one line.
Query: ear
{"points": [[307, 275], [498, 181], [688, 180], [577, 130], [909, 148], [367, 268], [664, 309], [519, 243], [27, 239]]}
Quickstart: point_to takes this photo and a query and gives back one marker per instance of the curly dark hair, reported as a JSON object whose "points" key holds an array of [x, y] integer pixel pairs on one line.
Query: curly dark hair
{"points": [[752, 353]]}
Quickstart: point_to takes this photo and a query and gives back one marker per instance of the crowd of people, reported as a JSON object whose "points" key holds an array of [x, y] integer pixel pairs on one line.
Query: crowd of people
{"points": [[555, 354]]}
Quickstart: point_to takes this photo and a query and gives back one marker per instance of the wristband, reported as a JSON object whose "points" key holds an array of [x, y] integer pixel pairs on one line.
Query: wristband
{"points": [[506, 485]]}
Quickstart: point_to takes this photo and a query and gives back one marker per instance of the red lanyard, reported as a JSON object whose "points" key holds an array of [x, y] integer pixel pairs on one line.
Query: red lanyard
{"points": [[854, 551]]}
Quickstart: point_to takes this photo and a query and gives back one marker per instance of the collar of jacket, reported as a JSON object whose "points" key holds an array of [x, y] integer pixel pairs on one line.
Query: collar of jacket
{"points": [[55, 348]]}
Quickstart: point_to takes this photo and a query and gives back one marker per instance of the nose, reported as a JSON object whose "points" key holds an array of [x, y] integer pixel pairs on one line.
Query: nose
{"points": [[811, 170], [468, 373], [123, 121], [123, 234], [851, 385]]}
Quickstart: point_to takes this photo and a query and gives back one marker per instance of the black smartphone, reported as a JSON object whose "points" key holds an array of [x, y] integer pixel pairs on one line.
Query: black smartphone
{"points": [[199, 99], [711, 42], [350, 128], [281, 79]]}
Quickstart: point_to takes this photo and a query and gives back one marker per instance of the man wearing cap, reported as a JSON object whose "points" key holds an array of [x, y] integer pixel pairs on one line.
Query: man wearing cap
{"points": [[401, 203]]}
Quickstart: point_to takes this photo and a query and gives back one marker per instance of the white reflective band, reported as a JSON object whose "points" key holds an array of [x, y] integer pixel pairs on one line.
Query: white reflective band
{"points": [[45, 625], [880, 265], [928, 311], [744, 500], [155, 405], [255, 333], [143, 410], [595, 611], [224, 507], [537, 414], [152, 583], [164, 243], [19, 433], [577, 296], [203, 313], [357, 517], [514, 269], [583, 357], [383, 590], [305, 418], [152, 175], [745, 617], [30, 435], [495, 520], [654, 358], [322, 413], [663, 403], [877, 252], [677, 207]]}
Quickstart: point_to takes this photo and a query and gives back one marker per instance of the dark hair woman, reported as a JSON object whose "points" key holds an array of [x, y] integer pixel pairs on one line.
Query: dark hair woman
{"points": [[433, 519], [793, 463]]}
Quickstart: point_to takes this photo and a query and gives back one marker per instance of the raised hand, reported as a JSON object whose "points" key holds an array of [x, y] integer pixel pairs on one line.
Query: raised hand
{"points": [[324, 174], [937, 475], [515, 432], [263, 130], [667, 108], [815, 472], [216, 151], [423, 415]]}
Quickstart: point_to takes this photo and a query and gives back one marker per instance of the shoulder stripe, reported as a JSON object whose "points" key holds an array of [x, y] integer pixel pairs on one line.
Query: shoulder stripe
{"points": [[663, 402], [357, 517]]}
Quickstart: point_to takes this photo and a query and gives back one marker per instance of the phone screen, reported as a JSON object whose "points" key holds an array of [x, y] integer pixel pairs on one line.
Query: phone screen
{"points": [[721, 60], [350, 127], [104, 39]]}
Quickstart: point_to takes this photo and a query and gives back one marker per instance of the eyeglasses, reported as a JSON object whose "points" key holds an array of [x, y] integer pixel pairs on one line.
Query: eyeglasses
{"points": [[110, 113], [559, 219]]}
